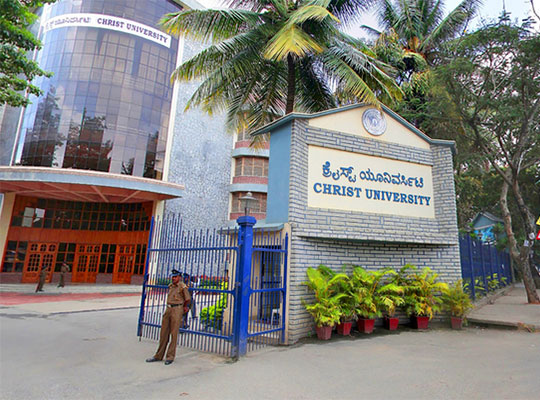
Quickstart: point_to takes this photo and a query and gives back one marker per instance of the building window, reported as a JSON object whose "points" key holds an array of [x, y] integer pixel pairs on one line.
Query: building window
{"points": [[74, 215], [66, 254], [140, 259], [15, 256], [251, 166], [107, 257], [259, 207]]}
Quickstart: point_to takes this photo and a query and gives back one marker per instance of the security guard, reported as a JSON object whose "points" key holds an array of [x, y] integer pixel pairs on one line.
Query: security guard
{"points": [[42, 278], [178, 300], [63, 270]]}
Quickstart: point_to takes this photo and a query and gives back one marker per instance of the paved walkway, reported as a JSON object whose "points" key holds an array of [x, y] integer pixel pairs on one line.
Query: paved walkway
{"points": [[510, 310], [71, 298]]}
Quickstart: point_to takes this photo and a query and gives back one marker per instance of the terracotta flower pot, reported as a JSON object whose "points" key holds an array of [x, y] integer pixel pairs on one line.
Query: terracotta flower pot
{"points": [[419, 322], [324, 332], [344, 328], [391, 323], [365, 325], [457, 322]]}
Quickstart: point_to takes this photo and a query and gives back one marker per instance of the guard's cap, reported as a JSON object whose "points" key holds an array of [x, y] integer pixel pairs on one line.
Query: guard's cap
{"points": [[175, 272]]}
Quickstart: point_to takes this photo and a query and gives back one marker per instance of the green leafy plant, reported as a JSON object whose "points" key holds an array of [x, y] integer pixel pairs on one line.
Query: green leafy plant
{"points": [[326, 309], [372, 296], [347, 302], [479, 288], [421, 292], [456, 300], [213, 315], [391, 295], [495, 283]]}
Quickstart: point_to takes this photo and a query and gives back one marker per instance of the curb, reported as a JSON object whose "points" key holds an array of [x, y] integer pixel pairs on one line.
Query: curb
{"points": [[503, 325], [93, 310]]}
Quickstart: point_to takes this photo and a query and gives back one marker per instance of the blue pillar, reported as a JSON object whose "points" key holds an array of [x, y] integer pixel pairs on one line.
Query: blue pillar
{"points": [[471, 263], [243, 287], [146, 275]]}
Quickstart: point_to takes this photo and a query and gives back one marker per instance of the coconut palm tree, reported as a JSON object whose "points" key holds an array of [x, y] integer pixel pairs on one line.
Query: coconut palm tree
{"points": [[267, 58], [416, 29]]}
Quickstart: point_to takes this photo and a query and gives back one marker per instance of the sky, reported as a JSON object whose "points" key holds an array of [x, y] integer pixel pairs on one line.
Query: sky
{"points": [[490, 9]]}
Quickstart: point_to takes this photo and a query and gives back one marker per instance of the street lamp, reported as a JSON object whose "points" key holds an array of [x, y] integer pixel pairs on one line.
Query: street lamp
{"points": [[247, 202]]}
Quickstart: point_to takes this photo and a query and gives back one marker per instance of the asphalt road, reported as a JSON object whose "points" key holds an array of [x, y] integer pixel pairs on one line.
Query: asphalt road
{"points": [[96, 355]]}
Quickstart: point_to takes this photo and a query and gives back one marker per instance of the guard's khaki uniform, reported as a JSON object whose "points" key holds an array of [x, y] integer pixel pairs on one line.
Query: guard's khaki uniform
{"points": [[170, 323], [41, 282], [63, 271]]}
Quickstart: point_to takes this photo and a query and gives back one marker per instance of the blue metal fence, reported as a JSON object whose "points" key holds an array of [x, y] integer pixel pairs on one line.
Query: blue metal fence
{"points": [[227, 276], [483, 267]]}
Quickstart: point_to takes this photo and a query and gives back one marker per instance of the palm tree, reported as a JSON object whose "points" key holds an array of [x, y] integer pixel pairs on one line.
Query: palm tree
{"points": [[270, 58], [416, 29]]}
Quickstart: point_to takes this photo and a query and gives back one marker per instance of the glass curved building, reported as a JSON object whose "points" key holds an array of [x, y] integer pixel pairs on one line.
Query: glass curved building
{"points": [[106, 108], [89, 163]]}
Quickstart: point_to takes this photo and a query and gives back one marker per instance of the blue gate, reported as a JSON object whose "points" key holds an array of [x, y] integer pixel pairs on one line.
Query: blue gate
{"points": [[483, 268], [236, 278]]}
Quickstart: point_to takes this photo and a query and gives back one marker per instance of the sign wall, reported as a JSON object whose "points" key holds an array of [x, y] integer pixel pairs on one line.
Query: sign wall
{"points": [[356, 182]]}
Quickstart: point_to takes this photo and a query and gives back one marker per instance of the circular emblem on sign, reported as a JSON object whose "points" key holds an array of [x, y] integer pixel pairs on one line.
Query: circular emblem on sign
{"points": [[374, 121]]}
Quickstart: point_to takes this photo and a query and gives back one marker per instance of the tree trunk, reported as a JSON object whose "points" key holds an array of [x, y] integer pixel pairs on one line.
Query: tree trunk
{"points": [[528, 220], [291, 84], [520, 257]]}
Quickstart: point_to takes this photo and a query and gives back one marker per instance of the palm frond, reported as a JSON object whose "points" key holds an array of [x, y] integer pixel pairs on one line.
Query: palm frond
{"points": [[310, 12], [370, 31], [388, 14], [209, 25], [291, 39], [349, 11], [452, 24]]}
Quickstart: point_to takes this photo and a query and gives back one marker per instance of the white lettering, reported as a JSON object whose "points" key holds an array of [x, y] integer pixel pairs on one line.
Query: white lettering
{"points": [[108, 22]]}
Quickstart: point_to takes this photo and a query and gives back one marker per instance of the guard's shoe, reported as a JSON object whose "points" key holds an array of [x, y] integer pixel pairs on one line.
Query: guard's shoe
{"points": [[152, 359], [167, 362]]}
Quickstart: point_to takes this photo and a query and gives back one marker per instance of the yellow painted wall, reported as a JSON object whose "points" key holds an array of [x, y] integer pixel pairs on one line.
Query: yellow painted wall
{"points": [[350, 121]]}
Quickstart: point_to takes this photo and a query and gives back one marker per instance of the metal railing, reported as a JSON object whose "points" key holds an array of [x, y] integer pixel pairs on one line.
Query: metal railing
{"points": [[484, 268]]}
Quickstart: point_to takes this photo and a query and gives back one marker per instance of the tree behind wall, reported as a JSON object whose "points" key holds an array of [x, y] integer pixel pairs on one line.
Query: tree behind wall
{"points": [[493, 80], [16, 44]]}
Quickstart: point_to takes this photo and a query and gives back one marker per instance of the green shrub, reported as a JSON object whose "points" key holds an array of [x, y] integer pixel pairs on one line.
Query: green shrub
{"points": [[456, 300], [213, 315], [421, 289], [324, 283]]}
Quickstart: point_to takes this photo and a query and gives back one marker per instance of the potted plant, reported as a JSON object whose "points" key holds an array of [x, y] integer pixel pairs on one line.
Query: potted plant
{"points": [[421, 300], [368, 297], [325, 310], [347, 306], [457, 302], [391, 297]]}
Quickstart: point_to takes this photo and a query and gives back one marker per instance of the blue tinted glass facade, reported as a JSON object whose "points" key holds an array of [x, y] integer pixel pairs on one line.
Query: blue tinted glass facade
{"points": [[107, 106]]}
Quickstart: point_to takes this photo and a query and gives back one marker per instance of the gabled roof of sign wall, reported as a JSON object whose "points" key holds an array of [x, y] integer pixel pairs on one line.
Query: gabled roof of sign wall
{"points": [[292, 116]]}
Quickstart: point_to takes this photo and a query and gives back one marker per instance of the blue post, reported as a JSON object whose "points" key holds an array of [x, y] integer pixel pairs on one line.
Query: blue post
{"points": [[470, 256], [284, 285], [243, 287], [480, 245], [145, 282]]}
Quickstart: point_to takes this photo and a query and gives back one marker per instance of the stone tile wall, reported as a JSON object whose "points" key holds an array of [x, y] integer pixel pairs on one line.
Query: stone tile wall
{"points": [[201, 160], [335, 237]]}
